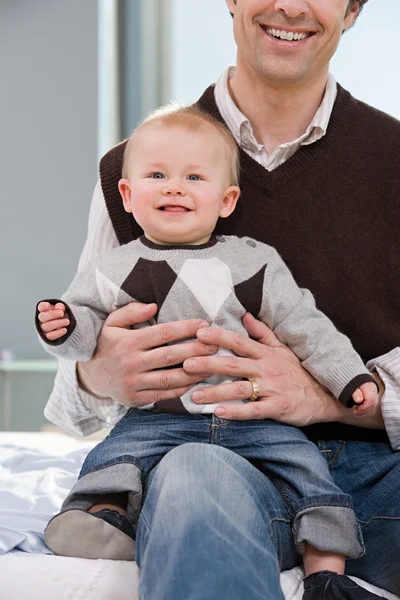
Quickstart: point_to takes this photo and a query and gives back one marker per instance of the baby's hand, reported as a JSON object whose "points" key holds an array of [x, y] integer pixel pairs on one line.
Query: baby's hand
{"points": [[53, 320], [366, 397]]}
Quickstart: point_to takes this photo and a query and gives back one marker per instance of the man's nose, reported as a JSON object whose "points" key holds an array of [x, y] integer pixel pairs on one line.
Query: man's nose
{"points": [[292, 8]]}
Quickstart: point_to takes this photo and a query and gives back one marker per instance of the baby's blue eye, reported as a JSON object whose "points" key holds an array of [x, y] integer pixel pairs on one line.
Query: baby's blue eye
{"points": [[194, 178], [157, 176]]}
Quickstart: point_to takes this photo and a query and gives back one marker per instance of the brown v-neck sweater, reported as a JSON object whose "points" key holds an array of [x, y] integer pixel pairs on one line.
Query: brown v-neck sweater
{"points": [[332, 212]]}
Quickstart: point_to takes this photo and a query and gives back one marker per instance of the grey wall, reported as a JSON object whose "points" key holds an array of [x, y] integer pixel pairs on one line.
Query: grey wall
{"points": [[48, 158], [130, 36], [145, 39]]}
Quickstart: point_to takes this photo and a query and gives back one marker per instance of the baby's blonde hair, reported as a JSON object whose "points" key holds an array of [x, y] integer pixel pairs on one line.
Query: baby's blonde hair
{"points": [[192, 119]]}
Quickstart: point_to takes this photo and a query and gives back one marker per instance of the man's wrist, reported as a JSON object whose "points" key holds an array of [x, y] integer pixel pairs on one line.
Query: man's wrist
{"points": [[83, 382], [322, 404], [329, 408]]}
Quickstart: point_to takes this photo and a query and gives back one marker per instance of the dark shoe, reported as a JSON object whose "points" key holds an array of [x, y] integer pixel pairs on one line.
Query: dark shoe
{"points": [[328, 585], [114, 518]]}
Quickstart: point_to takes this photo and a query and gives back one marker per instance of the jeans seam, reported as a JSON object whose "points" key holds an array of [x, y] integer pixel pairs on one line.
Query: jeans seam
{"points": [[215, 431], [331, 504], [281, 487], [366, 524], [143, 518], [336, 455], [215, 434], [110, 464]]}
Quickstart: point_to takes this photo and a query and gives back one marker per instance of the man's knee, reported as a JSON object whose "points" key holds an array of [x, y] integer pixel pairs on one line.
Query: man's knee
{"points": [[193, 468], [201, 465], [213, 478]]}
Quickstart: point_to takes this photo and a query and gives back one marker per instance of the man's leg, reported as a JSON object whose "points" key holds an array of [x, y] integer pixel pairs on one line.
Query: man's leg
{"points": [[370, 472], [212, 526]]}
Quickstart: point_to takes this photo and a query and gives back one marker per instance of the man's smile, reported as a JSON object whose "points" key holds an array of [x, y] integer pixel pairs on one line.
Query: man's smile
{"points": [[287, 35]]}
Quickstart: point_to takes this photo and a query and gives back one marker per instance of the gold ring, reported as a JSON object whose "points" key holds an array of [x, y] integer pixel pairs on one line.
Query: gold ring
{"points": [[256, 390]]}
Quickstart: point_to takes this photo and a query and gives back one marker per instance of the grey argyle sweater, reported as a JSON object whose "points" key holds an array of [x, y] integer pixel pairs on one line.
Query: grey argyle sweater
{"points": [[218, 282]]}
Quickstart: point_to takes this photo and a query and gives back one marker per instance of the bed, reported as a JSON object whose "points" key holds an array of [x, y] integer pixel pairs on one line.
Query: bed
{"points": [[36, 471]]}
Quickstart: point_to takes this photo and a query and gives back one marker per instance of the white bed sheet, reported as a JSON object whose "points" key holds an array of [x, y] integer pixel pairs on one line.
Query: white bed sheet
{"points": [[38, 576], [33, 484], [43, 577]]}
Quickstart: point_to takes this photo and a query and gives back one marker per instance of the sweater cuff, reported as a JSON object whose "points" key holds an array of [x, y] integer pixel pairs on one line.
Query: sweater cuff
{"points": [[70, 328], [346, 396]]}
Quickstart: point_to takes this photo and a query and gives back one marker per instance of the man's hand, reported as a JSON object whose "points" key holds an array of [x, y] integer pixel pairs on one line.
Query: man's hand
{"points": [[288, 393], [132, 366]]}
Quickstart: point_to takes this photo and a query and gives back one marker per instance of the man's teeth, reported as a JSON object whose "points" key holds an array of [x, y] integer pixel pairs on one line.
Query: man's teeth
{"points": [[287, 35]]}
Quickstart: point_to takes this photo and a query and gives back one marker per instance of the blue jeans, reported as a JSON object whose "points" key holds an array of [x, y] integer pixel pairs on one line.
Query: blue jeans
{"points": [[233, 534], [208, 510], [321, 514]]}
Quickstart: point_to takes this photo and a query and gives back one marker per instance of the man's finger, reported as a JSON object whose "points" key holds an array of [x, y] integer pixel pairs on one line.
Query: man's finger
{"points": [[240, 344], [145, 397], [222, 365], [167, 379], [165, 333], [250, 410], [260, 331], [176, 354], [241, 389], [131, 314]]}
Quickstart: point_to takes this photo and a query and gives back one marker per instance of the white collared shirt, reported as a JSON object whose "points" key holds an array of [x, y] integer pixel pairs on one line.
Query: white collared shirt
{"points": [[242, 130]]}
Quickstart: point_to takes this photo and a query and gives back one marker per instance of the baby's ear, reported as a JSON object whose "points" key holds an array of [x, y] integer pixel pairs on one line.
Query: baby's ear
{"points": [[125, 190], [231, 196]]}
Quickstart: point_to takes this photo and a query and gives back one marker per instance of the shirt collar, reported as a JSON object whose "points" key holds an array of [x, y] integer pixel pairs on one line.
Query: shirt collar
{"points": [[241, 128]]}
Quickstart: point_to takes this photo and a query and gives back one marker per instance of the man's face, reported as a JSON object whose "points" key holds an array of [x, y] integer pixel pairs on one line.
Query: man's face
{"points": [[289, 41]]}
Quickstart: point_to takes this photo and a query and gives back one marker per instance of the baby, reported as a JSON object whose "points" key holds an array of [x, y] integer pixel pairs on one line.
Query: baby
{"points": [[180, 175]]}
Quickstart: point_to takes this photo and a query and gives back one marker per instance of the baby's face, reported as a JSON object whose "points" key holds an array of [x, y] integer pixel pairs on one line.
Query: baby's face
{"points": [[178, 182]]}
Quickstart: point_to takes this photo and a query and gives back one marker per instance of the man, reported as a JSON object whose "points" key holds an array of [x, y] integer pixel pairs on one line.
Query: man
{"points": [[320, 182]]}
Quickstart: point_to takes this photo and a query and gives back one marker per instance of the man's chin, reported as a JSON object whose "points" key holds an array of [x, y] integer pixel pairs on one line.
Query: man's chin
{"points": [[284, 73]]}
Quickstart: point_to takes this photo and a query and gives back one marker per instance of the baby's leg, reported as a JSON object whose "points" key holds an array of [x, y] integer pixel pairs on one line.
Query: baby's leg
{"points": [[325, 578], [94, 521], [99, 517], [117, 502], [316, 560]]}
